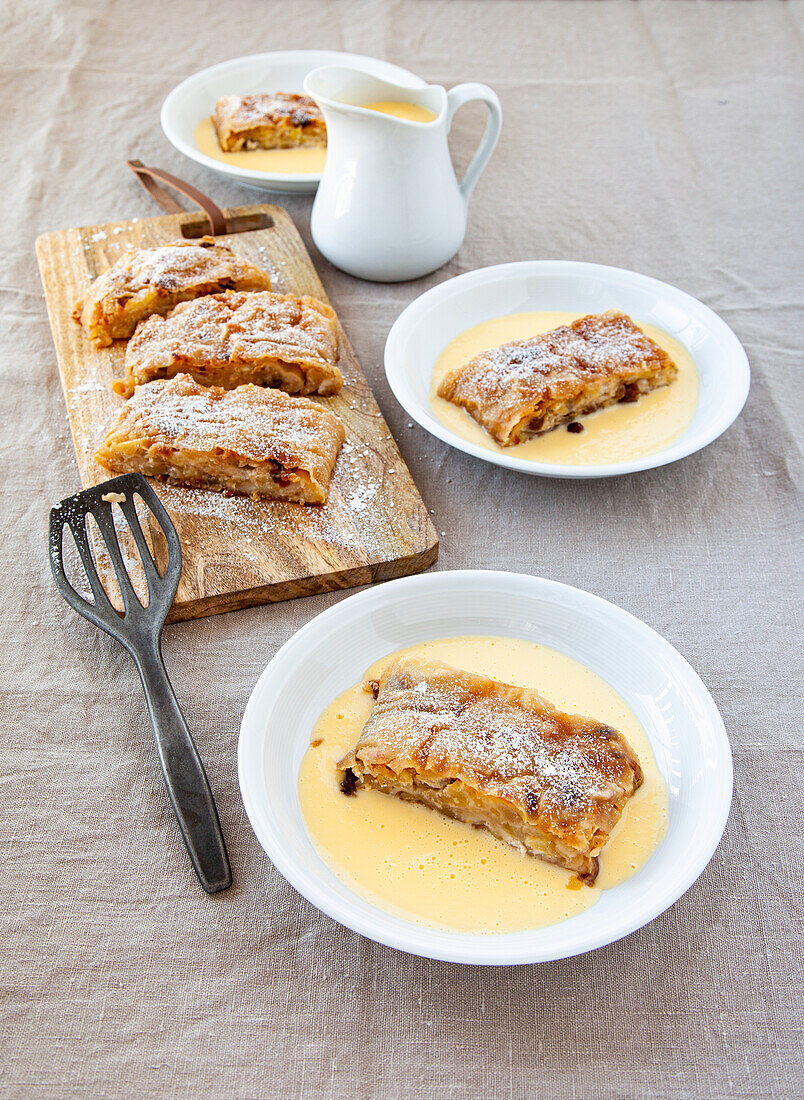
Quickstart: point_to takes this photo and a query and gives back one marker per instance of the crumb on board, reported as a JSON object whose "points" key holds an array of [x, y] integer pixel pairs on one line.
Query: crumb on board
{"points": [[575, 427], [318, 741]]}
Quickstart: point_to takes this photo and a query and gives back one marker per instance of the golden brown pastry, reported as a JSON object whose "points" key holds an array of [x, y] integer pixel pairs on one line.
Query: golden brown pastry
{"points": [[251, 440], [552, 785], [528, 387], [236, 337], [281, 120], [154, 280]]}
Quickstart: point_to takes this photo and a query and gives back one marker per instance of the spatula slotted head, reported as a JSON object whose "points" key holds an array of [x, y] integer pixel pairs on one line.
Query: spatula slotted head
{"points": [[136, 623]]}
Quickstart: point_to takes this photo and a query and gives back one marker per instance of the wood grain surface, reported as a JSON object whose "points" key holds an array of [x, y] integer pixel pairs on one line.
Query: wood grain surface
{"points": [[239, 552]]}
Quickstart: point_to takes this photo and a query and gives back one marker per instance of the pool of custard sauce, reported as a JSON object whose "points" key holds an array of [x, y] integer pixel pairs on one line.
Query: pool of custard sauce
{"points": [[615, 434], [413, 862], [302, 160], [287, 162]]}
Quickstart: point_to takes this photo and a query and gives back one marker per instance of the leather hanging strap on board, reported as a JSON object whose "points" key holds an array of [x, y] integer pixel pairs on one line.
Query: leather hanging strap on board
{"points": [[150, 178]]}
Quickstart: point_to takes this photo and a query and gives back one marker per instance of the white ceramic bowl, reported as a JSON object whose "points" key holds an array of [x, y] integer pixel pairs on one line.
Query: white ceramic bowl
{"points": [[429, 323], [282, 71], [334, 650]]}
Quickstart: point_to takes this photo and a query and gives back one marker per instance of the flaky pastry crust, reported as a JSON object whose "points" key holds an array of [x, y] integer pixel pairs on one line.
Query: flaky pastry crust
{"points": [[145, 281], [281, 120], [251, 440], [237, 337], [528, 387], [501, 757]]}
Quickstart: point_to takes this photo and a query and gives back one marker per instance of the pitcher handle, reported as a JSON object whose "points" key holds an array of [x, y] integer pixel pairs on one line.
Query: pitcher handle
{"points": [[465, 93]]}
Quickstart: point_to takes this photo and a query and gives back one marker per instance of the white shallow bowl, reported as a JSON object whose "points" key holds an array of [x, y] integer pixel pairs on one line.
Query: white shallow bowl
{"points": [[422, 331], [283, 71], [333, 651]]}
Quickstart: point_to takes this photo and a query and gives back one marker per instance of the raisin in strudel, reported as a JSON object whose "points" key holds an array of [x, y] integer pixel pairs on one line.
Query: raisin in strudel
{"points": [[250, 440], [528, 387], [281, 120], [237, 337], [550, 784], [145, 281]]}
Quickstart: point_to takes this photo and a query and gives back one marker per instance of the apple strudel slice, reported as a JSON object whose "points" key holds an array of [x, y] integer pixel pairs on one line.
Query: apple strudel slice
{"points": [[254, 441], [237, 337], [154, 280], [529, 387], [497, 756], [282, 120]]}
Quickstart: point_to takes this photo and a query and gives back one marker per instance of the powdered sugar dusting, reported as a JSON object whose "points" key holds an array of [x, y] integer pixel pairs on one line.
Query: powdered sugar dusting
{"points": [[247, 424], [237, 113], [361, 496], [565, 359], [88, 387], [503, 740], [253, 328], [259, 525], [180, 266]]}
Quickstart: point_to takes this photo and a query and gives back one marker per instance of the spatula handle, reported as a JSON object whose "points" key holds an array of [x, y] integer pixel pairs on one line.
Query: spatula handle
{"points": [[186, 781]]}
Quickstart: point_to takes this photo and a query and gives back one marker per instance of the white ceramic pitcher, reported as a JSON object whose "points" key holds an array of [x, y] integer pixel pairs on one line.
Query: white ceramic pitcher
{"points": [[389, 206]]}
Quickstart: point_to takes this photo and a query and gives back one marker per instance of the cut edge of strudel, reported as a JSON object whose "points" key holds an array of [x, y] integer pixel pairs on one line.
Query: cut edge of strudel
{"points": [[253, 441], [497, 756], [238, 337], [528, 387], [144, 281], [278, 120]]}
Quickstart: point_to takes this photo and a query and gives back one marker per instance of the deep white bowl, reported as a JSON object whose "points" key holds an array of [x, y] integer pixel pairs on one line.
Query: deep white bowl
{"points": [[282, 71], [333, 652], [431, 321]]}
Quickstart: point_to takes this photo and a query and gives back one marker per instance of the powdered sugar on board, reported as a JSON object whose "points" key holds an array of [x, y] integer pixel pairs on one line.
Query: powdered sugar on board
{"points": [[361, 497]]}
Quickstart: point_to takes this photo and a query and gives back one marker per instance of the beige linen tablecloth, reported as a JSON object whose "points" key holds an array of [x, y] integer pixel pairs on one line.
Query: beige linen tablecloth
{"points": [[660, 137]]}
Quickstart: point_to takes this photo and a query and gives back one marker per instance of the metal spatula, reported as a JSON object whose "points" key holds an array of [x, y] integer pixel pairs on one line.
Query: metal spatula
{"points": [[139, 629]]}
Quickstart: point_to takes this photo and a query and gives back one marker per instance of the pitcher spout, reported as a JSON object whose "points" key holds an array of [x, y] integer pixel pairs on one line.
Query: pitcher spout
{"points": [[343, 91]]}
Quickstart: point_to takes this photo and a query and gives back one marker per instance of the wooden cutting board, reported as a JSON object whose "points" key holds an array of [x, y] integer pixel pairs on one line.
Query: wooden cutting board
{"points": [[239, 552]]}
